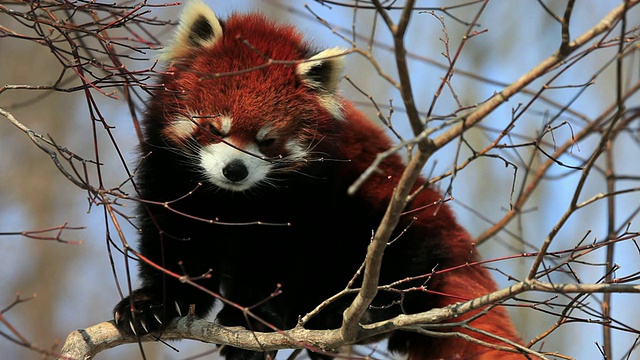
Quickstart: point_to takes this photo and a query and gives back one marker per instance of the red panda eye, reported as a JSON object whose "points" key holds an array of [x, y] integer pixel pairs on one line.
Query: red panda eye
{"points": [[266, 142], [214, 131]]}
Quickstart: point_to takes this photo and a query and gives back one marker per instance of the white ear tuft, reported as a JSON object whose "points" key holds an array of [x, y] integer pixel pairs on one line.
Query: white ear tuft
{"points": [[199, 27], [323, 70]]}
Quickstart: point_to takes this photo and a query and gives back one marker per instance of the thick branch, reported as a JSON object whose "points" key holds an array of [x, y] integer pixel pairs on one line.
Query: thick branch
{"points": [[383, 234], [373, 260], [86, 343], [542, 68], [426, 149]]}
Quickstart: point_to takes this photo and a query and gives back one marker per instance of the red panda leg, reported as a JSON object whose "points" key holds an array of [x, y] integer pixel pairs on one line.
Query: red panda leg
{"points": [[155, 306]]}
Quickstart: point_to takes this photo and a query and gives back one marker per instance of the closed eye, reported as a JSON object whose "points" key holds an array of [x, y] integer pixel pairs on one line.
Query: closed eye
{"points": [[265, 143], [214, 131]]}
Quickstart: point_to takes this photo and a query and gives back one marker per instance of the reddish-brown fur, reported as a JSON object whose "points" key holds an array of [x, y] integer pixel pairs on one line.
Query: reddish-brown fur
{"points": [[363, 141], [317, 255]]}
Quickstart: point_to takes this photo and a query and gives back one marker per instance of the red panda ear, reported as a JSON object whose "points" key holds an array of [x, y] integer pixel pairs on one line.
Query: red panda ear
{"points": [[199, 27], [322, 73], [323, 70]]}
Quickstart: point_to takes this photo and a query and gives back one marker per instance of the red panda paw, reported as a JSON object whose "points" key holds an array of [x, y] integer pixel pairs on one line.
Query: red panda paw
{"points": [[144, 312]]}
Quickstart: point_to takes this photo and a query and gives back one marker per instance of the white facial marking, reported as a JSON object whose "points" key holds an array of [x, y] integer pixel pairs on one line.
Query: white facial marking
{"points": [[182, 127], [296, 152], [231, 169], [225, 124]]}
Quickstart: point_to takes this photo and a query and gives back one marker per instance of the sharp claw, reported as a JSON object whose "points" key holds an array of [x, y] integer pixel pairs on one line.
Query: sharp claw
{"points": [[133, 328], [116, 317], [157, 318], [144, 325], [178, 309]]}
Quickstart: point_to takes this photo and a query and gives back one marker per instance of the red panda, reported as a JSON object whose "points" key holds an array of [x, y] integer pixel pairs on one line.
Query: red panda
{"points": [[253, 149]]}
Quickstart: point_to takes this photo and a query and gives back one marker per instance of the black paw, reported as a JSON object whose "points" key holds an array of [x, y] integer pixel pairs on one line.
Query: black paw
{"points": [[144, 312]]}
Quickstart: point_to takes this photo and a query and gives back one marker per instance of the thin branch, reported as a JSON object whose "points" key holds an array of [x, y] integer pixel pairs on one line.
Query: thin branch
{"points": [[42, 234]]}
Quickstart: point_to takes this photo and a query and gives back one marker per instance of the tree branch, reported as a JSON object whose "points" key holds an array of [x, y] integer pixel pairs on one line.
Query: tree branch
{"points": [[86, 343], [542, 68]]}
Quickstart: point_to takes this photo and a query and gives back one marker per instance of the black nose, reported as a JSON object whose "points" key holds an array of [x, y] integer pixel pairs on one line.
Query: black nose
{"points": [[235, 171]]}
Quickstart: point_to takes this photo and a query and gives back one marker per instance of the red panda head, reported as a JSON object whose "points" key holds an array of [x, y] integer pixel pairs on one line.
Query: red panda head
{"points": [[247, 98]]}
